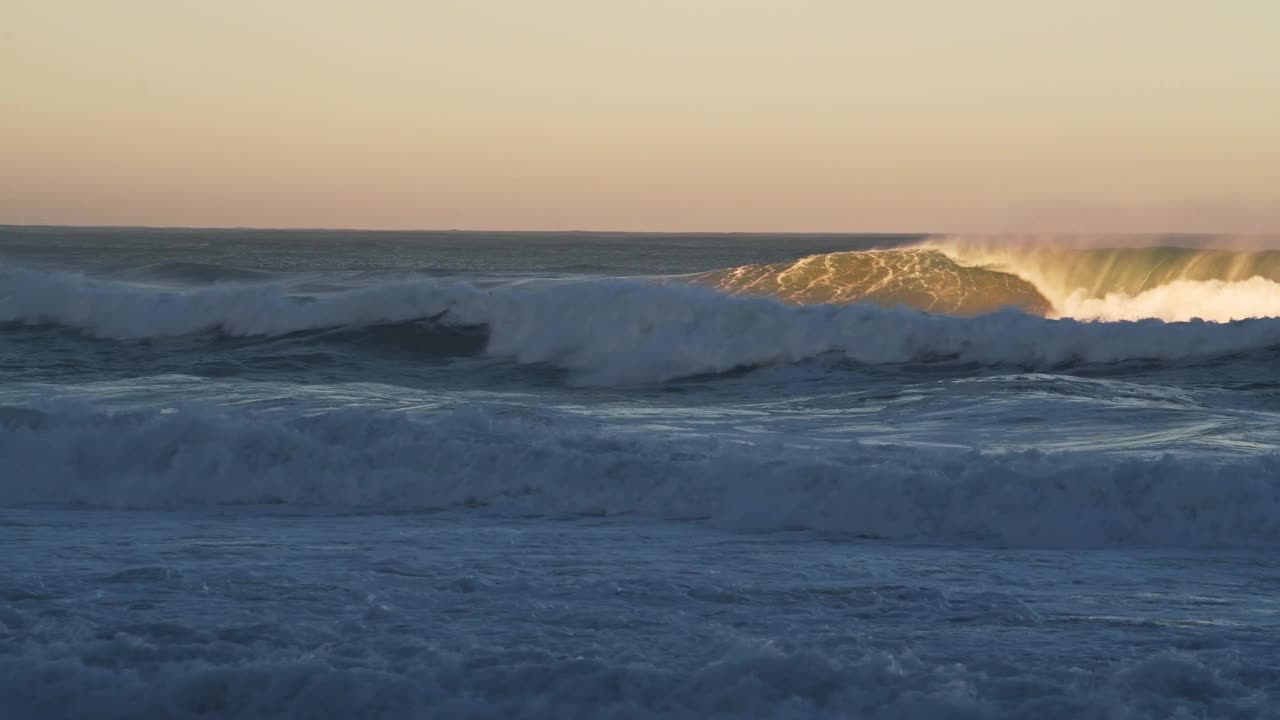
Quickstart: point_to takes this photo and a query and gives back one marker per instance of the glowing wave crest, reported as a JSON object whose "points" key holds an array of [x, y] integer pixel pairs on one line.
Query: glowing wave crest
{"points": [[1065, 278], [1083, 278]]}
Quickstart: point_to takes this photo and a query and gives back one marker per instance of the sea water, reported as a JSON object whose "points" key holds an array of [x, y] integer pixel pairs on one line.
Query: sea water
{"points": [[350, 474]]}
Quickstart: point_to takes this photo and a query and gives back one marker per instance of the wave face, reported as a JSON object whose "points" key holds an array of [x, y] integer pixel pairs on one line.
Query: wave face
{"points": [[612, 332], [964, 276], [920, 278], [522, 460]]}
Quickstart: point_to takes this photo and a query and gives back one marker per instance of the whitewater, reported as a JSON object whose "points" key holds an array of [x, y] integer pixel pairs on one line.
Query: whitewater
{"points": [[309, 474]]}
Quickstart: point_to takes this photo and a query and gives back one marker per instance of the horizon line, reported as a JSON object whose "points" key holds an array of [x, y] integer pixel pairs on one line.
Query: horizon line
{"points": [[536, 231]]}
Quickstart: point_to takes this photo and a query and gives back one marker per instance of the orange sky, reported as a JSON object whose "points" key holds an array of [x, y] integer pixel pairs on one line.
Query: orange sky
{"points": [[802, 115]]}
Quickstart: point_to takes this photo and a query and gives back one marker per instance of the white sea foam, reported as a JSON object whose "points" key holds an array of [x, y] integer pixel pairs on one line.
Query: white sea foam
{"points": [[1094, 279], [1180, 301], [201, 675], [620, 331], [118, 310], [520, 459]]}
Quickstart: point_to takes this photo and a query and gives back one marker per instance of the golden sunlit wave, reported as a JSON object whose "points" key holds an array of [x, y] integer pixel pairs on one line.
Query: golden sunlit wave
{"points": [[966, 277]]}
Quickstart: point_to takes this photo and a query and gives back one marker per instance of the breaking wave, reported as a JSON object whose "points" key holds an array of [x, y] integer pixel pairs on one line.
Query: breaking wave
{"points": [[622, 331], [1062, 279], [921, 278], [1125, 283], [529, 460]]}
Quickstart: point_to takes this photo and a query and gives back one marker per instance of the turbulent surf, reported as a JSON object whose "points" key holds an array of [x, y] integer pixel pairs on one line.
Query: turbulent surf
{"points": [[538, 475]]}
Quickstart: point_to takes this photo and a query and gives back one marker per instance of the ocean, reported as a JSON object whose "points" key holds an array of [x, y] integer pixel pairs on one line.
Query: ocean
{"points": [[253, 474]]}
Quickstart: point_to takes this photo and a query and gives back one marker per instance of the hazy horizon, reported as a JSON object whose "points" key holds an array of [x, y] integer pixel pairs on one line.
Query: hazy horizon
{"points": [[1232, 240], [719, 116]]}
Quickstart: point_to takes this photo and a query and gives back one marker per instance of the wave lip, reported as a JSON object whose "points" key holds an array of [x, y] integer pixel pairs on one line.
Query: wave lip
{"points": [[527, 460]]}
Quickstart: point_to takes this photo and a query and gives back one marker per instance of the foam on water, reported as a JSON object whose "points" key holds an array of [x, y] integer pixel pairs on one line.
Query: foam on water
{"points": [[124, 311], [305, 613], [520, 460], [292, 486], [132, 674]]}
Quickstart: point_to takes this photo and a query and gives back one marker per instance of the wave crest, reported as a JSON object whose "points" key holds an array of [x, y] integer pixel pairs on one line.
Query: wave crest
{"points": [[920, 278]]}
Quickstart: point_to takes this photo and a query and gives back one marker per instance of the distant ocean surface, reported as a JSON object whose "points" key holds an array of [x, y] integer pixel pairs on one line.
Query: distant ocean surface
{"points": [[309, 474]]}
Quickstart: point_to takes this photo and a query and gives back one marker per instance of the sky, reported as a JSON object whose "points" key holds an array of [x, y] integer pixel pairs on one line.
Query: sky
{"points": [[688, 115]]}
